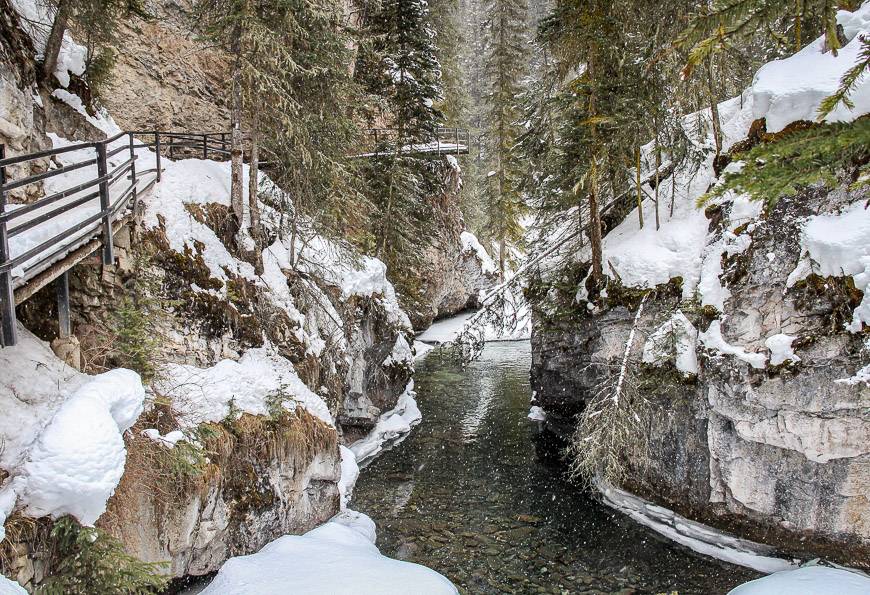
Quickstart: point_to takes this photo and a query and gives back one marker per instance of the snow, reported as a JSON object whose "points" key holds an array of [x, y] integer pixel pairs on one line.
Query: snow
{"points": [[838, 245], [812, 580], [537, 414], [792, 89], [782, 91], [472, 245], [712, 339], [365, 278], [401, 355], [63, 432], [169, 440], [695, 536], [392, 427], [674, 340], [339, 557], [780, 349], [103, 121], [260, 376], [445, 330], [349, 475], [36, 22], [8, 587]]}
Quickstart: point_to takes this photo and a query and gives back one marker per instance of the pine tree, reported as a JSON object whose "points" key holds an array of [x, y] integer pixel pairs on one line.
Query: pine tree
{"points": [[505, 71], [399, 66]]}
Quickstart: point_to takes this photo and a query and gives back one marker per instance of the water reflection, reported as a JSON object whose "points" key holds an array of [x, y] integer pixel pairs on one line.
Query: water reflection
{"points": [[466, 495]]}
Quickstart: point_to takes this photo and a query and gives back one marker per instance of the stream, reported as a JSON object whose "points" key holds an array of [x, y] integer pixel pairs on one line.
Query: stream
{"points": [[465, 494]]}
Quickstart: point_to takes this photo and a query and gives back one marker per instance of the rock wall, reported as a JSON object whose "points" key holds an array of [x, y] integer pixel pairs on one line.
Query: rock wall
{"points": [[779, 454]]}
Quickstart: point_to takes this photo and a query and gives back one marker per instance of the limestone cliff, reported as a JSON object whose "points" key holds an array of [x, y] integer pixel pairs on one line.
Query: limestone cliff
{"points": [[772, 448]]}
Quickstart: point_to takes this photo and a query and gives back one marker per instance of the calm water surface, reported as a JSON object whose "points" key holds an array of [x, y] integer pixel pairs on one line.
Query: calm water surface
{"points": [[464, 494]]}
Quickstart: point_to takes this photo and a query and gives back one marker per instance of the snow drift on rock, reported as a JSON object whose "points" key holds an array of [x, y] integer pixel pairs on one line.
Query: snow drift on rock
{"points": [[260, 376], [392, 427], [810, 580], [339, 558], [838, 245], [64, 432]]}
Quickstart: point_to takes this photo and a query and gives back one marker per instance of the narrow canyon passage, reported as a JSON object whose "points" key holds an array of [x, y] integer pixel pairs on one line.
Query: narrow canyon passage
{"points": [[465, 495]]}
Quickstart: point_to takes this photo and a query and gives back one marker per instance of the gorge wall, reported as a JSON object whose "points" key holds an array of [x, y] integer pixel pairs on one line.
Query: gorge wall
{"points": [[766, 443]]}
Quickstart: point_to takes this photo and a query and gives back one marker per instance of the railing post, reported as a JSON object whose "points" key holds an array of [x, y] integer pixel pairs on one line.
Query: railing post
{"points": [[63, 318], [171, 147], [157, 152], [133, 171], [8, 329], [223, 143], [205, 146], [105, 205], [456, 135], [377, 146]]}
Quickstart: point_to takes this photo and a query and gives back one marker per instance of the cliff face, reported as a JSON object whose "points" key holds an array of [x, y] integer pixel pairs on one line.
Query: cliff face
{"points": [[766, 442], [291, 359]]}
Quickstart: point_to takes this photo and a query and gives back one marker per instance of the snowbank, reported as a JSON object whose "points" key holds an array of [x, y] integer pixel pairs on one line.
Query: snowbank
{"points": [[8, 587], [792, 89], [472, 245], [392, 427], [36, 22], [812, 580], [339, 557], [259, 379], [63, 431], [783, 91]]}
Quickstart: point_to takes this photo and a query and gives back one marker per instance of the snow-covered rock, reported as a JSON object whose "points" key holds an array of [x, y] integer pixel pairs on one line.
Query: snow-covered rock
{"points": [[812, 580], [392, 427], [339, 558], [63, 432]]}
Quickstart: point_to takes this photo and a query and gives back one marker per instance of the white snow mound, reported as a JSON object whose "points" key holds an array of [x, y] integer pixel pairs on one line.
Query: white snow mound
{"points": [[339, 558], [811, 580]]}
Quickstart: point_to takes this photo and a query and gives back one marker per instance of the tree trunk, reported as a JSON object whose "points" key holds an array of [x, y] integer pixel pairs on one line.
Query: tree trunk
{"points": [[658, 167], [55, 39], [714, 108], [502, 246], [594, 214], [595, 228], [237, 198], [639, 188], [253, 177]]}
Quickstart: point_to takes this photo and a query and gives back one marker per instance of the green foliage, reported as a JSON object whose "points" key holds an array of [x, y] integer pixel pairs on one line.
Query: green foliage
{"points": [[135, 322], [506, 66], [848, 82], [717, 26], [86, 560], [819, 154]]}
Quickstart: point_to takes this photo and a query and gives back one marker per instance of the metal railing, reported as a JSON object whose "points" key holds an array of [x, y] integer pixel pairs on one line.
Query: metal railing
{"points": [[445, 141], [116, 186]]}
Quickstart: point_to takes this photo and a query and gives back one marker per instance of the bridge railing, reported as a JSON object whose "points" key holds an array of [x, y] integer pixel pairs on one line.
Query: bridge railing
{"points": [[444, 141]]}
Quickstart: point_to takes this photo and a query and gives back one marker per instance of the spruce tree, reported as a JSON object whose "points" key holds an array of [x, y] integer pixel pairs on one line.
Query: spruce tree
{"points": [[505, 71]]}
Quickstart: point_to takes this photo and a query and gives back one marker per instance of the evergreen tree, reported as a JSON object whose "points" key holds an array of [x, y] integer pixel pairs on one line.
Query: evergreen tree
{"points": [[398, 65], [505, 71]]}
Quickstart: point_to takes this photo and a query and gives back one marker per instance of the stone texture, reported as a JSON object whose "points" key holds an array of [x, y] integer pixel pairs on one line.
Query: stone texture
{"points": [[779, 455]]}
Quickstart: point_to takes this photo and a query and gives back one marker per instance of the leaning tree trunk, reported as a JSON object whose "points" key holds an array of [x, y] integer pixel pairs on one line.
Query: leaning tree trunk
{"points": [[237, 198], [714, 109], [55, 39], [253, 174]]}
